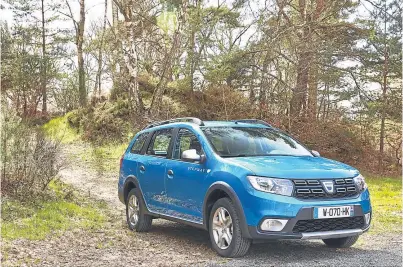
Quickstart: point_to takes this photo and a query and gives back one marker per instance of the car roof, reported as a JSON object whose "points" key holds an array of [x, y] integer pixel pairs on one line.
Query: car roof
{"points": [[232, 124], [206, 124]]}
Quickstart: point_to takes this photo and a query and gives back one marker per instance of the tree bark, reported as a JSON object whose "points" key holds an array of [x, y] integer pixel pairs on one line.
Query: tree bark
{"points": [[130, 54], [384, 92], [298, 100], [264, 85], [192, 46], [299, 96], [168, 61], [383, 112], [98, 80], [80, 40], [313, 91], [43, 63], [131, 62]]}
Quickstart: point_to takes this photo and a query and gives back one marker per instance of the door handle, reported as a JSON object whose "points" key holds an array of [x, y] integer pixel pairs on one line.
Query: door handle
{"points": [[142, 168], [170, 174]]}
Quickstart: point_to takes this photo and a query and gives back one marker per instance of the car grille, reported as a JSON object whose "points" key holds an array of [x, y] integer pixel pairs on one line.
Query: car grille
{"points": [[307, 226], [313, 189]]}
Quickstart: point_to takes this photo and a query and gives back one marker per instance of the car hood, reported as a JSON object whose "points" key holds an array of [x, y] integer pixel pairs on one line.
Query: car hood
{"points": [[297, 167]]}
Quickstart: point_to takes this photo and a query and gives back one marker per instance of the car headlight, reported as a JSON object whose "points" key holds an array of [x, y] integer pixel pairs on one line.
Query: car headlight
{"points": [[272, 185], [360, 182]]}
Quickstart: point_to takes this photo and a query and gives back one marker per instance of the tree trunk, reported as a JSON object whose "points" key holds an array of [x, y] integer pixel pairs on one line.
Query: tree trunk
{"points": [[263, 85], [313, 92], [298, 99], [300, 92], [252, 87], [100, 54], [384, 91], [166, 73], [168, 62], [321, 104], [383, 112], [131, 62], [43, 63], [80, 40], [192, 62]]}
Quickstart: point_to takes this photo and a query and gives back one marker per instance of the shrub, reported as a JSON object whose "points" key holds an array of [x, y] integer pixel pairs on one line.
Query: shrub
{"points": [[221, 102], [29, 160], [104, 122]]}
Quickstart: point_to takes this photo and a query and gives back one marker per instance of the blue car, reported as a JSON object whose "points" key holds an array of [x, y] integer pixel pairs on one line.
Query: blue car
{"points": [[241, 181]]}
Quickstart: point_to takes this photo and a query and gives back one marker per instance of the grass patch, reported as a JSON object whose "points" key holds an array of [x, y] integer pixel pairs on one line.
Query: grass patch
{"points": [[59, 129], [386, 200], [104, 157], [62, 210]]}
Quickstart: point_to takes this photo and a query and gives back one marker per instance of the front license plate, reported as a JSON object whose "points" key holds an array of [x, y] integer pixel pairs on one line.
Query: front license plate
{"points": [[333, 212]]}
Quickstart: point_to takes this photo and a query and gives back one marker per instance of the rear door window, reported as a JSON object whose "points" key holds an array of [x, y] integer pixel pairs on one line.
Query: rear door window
{"points": [[159, 145], [139, 143]]}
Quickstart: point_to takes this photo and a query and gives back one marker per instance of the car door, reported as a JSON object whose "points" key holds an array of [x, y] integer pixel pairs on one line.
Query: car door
{"points": [[184, 181], [152, 170], [134, 155]]}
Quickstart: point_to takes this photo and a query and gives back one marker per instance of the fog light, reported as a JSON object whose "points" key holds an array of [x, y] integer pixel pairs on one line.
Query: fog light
{"points": [[367, 218], [273, 225]]}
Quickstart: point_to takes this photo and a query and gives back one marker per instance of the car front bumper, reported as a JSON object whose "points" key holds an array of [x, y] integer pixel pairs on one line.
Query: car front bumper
{"points": [[306, 214], [269, 206]]}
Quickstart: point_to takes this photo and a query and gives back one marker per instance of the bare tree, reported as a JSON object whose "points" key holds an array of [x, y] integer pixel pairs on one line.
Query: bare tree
{"points": [[130, 53], [169, 58], [43, 65], [79, 29], [100, 54]]}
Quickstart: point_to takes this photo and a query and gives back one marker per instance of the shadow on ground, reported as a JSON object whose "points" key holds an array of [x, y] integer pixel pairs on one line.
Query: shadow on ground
{"points": [[287, 252]]}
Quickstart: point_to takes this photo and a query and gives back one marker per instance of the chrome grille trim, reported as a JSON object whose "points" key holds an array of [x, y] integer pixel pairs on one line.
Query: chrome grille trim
{"points": [[313, 189]]}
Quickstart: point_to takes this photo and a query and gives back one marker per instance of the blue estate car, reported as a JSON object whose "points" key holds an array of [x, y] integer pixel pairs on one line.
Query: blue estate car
{"points": [[240, 180]]}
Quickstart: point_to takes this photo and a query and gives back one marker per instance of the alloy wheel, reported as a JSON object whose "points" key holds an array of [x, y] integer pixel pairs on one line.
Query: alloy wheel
{"points": [[133, 210], [222, 228]]}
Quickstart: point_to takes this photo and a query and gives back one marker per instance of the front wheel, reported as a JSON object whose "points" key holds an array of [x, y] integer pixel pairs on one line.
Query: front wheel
{"points": [[225, 230], [136, 219], [344, 242]]}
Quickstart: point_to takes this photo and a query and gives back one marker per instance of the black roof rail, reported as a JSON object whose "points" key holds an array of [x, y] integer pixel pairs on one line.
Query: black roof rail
{"points": [[185, 119], [253, 121]]}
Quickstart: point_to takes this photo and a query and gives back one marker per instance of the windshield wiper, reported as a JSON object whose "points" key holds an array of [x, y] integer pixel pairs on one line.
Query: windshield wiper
{"points": [[235, 156], [259, 155], [244, 155]]}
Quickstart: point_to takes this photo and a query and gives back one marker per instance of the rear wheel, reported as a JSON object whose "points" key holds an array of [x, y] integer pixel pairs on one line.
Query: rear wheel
{"points": [[344, 242], [136, 219], [225, 230]]}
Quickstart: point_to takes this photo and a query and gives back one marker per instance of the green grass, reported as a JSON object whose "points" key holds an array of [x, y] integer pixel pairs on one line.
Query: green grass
{"points": [[104, 157], [386, 199], [52, 215], [59, 129]]}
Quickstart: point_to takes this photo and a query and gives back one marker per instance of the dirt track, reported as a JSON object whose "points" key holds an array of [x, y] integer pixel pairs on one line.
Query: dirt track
{"points": [[173, 244]]}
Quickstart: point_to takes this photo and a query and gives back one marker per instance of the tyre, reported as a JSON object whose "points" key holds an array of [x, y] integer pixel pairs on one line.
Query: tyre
{"points": [[225, 230], [136, 218], [344, 242]]}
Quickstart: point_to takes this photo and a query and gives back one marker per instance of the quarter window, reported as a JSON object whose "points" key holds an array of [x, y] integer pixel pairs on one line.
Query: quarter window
{"points": [[160, 143], [138, 144], [186, 140]]}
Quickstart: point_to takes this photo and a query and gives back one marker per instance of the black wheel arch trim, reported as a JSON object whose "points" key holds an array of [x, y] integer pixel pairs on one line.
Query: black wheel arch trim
{"points": [[223, 186], [133, 179]]}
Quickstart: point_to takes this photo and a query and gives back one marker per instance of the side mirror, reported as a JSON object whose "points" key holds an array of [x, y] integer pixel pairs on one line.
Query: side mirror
{"points": [[192, 156], [315, 153]]}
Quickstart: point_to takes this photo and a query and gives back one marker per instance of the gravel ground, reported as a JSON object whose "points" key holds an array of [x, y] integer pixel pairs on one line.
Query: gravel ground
{"points": [[173, 244]]}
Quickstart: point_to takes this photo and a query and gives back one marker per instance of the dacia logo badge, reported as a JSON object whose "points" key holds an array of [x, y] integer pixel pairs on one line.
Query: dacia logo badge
{"points": [[329, 186]]}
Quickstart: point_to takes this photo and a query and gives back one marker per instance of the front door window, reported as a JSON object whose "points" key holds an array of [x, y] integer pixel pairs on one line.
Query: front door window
{"points": [[186, 140]]}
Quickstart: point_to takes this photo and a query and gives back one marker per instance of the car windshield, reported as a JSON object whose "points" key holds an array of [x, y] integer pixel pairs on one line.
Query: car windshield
{"points": [[246, 142]]}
